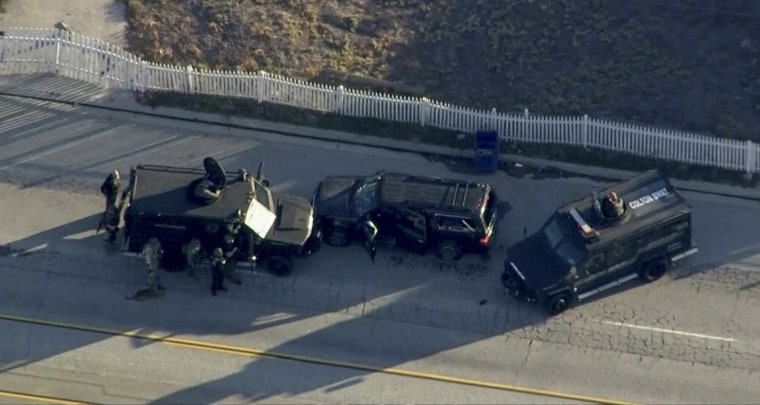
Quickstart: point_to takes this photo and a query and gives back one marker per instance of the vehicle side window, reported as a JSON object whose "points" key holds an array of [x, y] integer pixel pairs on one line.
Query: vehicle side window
{"points": [[595, 264], [455, 224], [412, 219]]}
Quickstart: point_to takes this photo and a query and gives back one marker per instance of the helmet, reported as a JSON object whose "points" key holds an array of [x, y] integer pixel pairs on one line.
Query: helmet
{"points": [[613, 196], [115, 174], [218, 252]]}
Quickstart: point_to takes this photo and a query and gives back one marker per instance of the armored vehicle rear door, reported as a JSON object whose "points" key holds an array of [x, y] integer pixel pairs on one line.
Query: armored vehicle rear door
{"points": [[411, 230]]}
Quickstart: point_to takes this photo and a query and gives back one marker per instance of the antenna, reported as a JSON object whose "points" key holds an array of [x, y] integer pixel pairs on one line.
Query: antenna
{"points": [[596, 203], [260, 172]]}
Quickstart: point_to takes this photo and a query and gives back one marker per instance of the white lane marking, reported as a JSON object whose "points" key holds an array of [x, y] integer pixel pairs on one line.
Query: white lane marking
{"points": [[671, 331], [39, 128], [61, 148], [22, 120]]}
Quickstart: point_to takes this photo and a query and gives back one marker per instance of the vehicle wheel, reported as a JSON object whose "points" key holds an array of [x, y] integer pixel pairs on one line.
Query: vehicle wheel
{"points": [[449, 251], [279, 266], [337, 237], [653, 270], [558, 303]]}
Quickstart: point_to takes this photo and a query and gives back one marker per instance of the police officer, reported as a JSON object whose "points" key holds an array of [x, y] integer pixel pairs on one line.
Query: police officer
{"points": [[217, 272], [230, 263], [152, 252], [612, 206], [192, 251], [111, 221], [617, 204], [110, 188]]}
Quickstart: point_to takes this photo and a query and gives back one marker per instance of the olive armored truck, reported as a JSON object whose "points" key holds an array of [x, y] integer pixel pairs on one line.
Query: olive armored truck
{"points": [[636, 228], [177, 204]]}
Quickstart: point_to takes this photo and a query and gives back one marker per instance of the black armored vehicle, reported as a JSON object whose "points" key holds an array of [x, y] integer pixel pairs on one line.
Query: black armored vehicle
{"points": [[449, 217], [637, 228], [177, 204]]}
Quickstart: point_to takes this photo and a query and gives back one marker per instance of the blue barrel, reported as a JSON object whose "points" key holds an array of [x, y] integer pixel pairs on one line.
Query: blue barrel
{"points": [[486, 152]]}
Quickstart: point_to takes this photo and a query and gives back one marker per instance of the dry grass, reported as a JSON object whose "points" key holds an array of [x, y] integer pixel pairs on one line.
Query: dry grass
{"points": [[676, 63]]}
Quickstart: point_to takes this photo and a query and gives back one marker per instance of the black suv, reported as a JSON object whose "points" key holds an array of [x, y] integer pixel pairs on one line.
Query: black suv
{"points": [[588, 247], [177, 204], [449, 217]]}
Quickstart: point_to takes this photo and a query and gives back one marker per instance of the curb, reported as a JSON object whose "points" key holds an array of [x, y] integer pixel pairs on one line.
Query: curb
{"points": [[291, 130]]}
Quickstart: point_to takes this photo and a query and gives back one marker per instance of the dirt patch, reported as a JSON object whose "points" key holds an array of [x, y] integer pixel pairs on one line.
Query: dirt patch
{"points": [[101, 19], [689, 64]]}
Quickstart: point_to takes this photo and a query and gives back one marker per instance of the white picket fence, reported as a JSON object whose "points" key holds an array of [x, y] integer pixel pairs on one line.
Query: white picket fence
{"points": [[25, 50]]}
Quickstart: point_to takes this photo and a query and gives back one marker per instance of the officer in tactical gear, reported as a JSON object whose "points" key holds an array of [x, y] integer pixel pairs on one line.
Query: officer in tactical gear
{"points": [[612, 206], [217, 272], [192, 251], [230, 263], [152, 253], [111, 219], [110, 188]]}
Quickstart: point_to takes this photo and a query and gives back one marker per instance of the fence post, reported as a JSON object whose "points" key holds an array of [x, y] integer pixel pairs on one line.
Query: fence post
{"points": [[585, 131], [493, 120], [424, 110], [260, 85], [525, 126], [57, 52], [190, 81], [749, 161], [143, 76], [338, 99]]}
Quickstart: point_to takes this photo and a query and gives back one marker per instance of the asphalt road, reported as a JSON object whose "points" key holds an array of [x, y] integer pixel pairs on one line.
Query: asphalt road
{"points": [[689, 338]]}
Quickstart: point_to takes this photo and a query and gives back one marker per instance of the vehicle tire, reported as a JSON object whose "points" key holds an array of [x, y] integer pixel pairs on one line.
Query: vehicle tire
{"points": [[337, 237], [557, 304], [280, 266], [449, 251], [653, 270]]}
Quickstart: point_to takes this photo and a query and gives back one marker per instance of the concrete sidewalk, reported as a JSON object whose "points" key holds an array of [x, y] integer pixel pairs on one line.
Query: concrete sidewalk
{"points": [[86, 95]]}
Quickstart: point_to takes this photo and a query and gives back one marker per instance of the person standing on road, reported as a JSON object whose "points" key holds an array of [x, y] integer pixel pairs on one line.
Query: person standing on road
{"points": [[192, 251], [152, 253], [217, 271], [110, 188], [111, 219], [230, 264]]}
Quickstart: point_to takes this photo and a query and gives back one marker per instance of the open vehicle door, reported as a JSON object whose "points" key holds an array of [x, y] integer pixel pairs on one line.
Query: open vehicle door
{"points": [[411, 231], [260, 175], [370, 234]]}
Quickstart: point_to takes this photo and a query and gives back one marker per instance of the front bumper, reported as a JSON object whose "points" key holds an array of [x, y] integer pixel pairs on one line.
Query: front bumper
{"points": [[513, 282], [314, 243]]}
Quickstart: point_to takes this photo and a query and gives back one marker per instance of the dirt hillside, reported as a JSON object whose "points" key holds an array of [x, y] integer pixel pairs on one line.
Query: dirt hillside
{"points": [[685, 64]]}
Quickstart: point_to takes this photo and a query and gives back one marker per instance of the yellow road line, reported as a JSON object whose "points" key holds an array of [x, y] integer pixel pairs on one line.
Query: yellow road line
{"points": [[38, 398], [244, 351]]}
